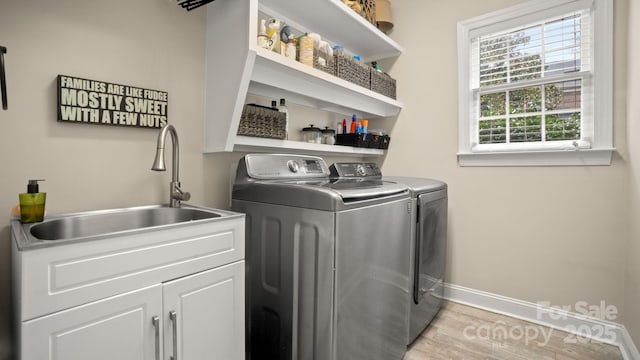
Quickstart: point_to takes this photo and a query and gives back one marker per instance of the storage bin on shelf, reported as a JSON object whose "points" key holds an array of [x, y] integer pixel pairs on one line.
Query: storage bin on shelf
{"points": [[384, 141], [349, 69], [322, 61], [365, 8], [262, 121], [373, 141], [369, 11], [382, 83]]}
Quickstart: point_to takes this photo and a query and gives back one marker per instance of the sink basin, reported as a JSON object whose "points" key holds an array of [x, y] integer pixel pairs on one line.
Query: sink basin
{"points": [[115, 221], [102, 224]]}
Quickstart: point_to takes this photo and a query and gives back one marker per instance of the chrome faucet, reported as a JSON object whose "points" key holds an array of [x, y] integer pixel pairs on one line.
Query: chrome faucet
{"points": [[175, 193]]}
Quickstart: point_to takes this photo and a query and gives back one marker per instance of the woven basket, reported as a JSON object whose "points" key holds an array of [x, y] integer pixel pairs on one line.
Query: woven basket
{"points": [[262, 121], [351, 70], [383, 83], [369, 9], [329, 62]]}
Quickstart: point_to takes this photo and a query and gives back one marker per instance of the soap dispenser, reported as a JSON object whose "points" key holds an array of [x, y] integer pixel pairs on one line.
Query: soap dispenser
{"points": [[32, 203]]}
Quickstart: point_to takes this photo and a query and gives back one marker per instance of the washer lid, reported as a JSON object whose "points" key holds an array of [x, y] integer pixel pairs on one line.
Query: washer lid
{"points": [[319, 194], [358, 189], [303, 181], [417, 185]]}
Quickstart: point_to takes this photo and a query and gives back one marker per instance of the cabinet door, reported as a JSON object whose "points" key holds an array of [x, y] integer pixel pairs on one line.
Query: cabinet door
{"points": [[119, 327], [204, 315]]}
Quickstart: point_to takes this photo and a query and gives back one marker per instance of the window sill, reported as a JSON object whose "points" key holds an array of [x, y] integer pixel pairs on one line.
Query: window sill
{"points": [[590, 157]]}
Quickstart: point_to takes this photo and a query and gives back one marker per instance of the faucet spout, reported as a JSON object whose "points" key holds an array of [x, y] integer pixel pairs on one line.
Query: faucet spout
{"points": [[175, 193]]}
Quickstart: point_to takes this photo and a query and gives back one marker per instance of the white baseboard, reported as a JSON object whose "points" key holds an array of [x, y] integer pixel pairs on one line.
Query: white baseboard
{"points": [[628, 348], [574, 323]]}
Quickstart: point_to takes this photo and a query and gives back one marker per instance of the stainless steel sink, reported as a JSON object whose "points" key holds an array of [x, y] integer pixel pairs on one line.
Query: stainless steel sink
{"points": [[103, 223]]}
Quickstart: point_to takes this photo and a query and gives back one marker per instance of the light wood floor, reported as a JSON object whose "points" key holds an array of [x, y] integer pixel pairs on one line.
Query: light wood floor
{"points": [[463, 332]]}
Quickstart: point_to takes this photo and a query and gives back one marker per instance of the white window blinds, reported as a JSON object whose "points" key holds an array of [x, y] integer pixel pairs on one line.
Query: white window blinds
{"points": [[529, 85]]}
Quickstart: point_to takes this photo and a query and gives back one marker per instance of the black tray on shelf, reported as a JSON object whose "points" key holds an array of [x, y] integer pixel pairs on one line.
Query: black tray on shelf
{"points": [[372, 141]]}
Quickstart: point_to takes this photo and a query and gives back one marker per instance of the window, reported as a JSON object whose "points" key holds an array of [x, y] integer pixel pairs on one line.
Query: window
{"points": [[535, 85]]}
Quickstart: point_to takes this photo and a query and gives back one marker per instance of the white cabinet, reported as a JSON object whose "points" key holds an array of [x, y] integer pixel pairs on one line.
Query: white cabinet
{"points": [[192, 318], [236, 66], [140, 295], [204, 315], [116, 328]]}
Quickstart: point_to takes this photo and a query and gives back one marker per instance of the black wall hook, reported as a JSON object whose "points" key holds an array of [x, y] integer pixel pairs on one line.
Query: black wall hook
{"points": [[3, 79], [192, 4]]}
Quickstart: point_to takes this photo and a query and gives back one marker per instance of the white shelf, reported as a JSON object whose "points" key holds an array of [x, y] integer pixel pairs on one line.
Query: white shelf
{"points": [[236, 66], [253, 144], [337, 23], [276, 76]]}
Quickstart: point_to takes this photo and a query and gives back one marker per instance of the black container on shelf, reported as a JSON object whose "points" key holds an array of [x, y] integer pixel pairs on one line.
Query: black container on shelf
{"points": [[355, 140], [372, 141], [384, 141]]}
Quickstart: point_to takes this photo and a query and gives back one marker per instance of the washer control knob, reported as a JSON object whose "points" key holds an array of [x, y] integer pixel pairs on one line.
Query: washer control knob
{"points": [[360, 170], [293, 166]]}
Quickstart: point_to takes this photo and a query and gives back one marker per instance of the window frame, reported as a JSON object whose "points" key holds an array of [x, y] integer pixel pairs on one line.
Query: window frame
{"points": [[600, 149]]}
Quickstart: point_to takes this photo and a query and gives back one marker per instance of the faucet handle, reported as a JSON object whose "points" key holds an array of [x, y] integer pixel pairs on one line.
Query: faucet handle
{"points": [[180, 195], [184, 196]]}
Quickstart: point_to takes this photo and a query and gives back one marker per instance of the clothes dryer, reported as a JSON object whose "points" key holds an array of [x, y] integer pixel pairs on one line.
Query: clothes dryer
{"points": [[429, 202]]}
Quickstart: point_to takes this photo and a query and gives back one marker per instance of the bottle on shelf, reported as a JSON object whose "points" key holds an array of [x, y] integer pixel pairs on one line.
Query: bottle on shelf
{"points": [[354, 125], [283, 109], [263, 39]]}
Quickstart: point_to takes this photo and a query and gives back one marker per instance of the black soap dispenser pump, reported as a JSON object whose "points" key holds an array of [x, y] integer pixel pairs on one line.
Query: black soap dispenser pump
{"points": [[32, 203]]}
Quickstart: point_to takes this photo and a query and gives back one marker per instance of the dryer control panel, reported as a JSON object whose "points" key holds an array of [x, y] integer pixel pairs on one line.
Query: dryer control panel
{"points": [[284, 166], [355, 169]]}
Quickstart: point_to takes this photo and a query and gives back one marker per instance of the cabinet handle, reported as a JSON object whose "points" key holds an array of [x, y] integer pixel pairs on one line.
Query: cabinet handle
{"points": [[174, 324], [156, 324], [3, 79]]}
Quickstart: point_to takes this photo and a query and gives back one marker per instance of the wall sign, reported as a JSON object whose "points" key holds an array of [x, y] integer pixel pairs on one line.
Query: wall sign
{"points": [[98, 102]]}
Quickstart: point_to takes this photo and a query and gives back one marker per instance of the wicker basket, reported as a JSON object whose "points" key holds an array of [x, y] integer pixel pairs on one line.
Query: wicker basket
{"points": [[262, 121], [383, 83], [329, 62], [351, 70], [369, 9]]}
